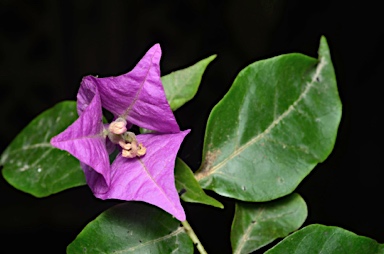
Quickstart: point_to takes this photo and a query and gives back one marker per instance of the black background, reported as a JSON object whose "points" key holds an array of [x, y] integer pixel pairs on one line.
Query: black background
{"points": [[48, 46]]}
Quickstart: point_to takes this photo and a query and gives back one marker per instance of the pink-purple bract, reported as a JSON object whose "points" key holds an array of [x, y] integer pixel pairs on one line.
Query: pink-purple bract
{"points": [[137, 96]]}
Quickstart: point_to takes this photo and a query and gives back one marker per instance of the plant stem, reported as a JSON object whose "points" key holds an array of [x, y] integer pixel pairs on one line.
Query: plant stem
{"points": [[193, 236]]}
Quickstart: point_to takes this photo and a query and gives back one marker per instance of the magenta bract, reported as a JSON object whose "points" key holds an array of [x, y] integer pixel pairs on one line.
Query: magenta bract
{"points": [[137, 96]]}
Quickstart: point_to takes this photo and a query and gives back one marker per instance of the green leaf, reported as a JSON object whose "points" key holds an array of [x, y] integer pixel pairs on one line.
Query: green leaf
{"points": [[189, 189], [257, 224], [132, 227], [181, 86], [326, 240], [32, 165], [278, 120]]}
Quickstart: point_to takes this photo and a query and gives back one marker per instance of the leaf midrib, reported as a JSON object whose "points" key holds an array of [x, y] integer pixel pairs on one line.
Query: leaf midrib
{"points": [[153, 241], [245, 236], [239, 150]]}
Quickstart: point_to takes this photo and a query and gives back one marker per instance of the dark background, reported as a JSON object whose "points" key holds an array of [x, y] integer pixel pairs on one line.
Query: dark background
{"points": [[46, 47]]}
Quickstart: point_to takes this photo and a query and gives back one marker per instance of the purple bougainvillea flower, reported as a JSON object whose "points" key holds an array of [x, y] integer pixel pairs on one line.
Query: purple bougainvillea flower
{"points": [[143, 170], [137, 95]]}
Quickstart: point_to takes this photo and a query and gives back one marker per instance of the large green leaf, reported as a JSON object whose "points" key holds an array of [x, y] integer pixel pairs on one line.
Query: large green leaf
{"points": [[181, 86], [132, 227], [326, 240], [32, 165], [189, 189], [257, 224], [278, 120]]}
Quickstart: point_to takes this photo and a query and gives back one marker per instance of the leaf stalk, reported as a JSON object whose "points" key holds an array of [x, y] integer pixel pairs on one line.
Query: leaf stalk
{"points": [[188, 229]]}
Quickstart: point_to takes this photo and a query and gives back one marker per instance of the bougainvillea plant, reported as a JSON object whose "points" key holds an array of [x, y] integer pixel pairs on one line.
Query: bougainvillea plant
{"points": [[143, 168], [276, 123]]}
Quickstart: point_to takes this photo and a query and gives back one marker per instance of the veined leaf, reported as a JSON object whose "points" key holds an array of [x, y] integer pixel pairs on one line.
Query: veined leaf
{"points": [[132, 227], [278, 120], [326, 240], [32, 165], [257, 224], [181, 86]]}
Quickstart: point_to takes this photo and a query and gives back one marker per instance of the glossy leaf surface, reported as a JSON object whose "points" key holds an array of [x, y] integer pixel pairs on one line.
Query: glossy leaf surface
{"points": [[326, 240], [189, 189], [257, 224], [33, 165], [132, 227], [278, 120], [181, 86]]}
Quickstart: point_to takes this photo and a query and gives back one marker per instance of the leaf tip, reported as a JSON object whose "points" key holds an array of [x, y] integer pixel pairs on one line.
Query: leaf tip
{"points": [[323, 39], [212, 57], [323, 48]]}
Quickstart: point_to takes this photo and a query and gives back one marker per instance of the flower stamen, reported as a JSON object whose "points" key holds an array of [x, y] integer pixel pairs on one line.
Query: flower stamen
{"points": [[119, 126], [132, 149], [126, 140]]}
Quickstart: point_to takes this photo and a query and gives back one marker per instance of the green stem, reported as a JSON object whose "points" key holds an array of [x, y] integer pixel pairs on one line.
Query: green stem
{"points": [[193, 236]]}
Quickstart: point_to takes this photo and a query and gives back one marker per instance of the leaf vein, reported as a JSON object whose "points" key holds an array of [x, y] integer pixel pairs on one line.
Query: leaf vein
{"points": [[245, 237], [34, 146], [291, 108], [174, 233]]}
